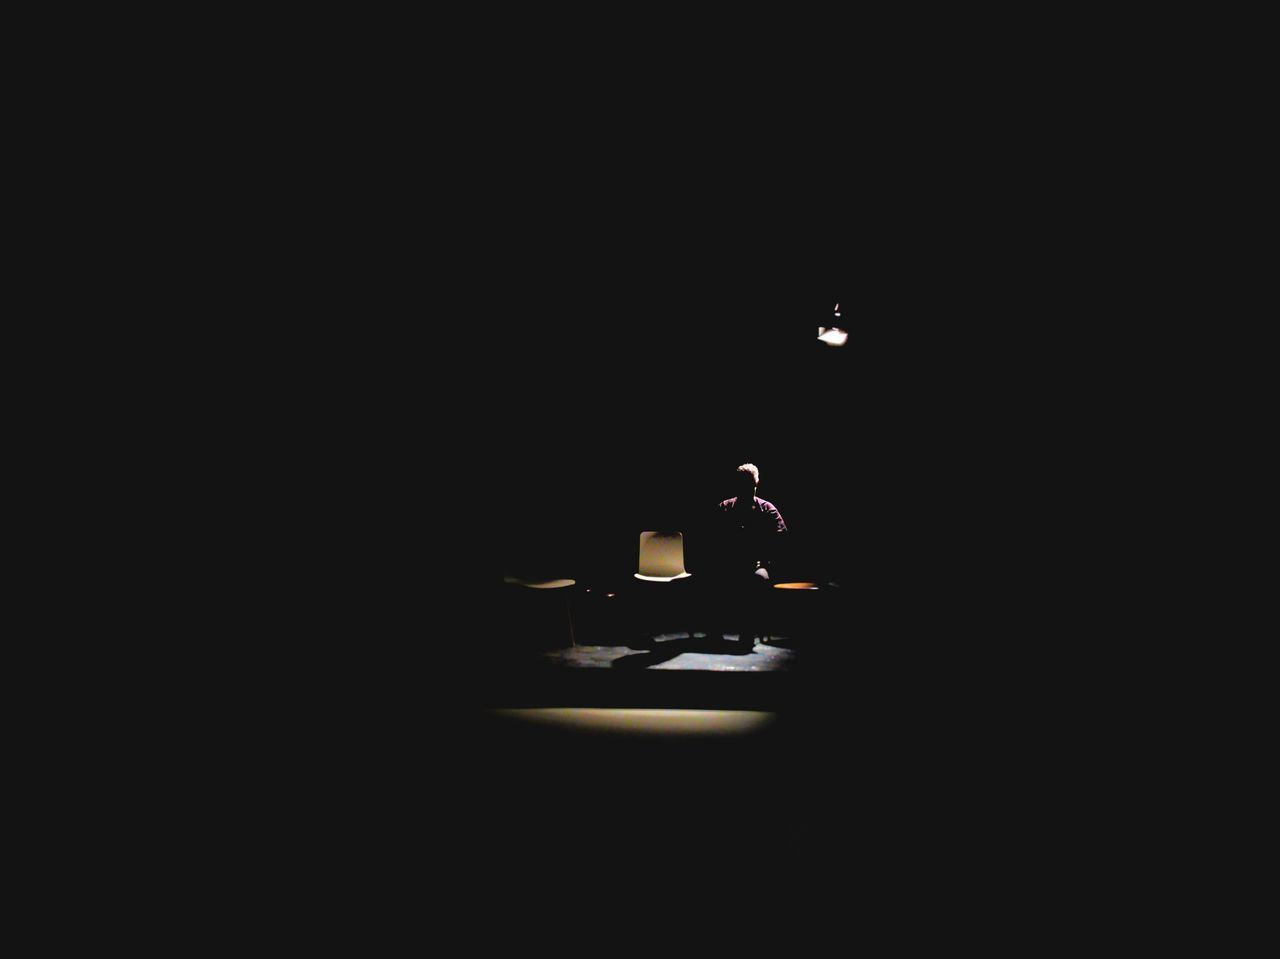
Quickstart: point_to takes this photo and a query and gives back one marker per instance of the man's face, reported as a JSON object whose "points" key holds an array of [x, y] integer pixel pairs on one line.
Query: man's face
{"points": [[744, 486]]}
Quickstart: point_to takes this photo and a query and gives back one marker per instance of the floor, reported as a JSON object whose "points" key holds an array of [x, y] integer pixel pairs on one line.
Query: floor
{"points": [[680, 651], [592, 651]]}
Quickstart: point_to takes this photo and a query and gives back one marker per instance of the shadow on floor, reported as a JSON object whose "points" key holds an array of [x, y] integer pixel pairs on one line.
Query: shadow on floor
{"points": [[665, 650]]}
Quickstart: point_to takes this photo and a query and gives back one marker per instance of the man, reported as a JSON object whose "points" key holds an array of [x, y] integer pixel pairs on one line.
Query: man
{"points": [[748, 535]]}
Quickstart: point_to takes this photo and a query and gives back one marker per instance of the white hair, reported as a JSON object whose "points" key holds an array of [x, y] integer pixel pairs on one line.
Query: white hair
{"points": [[750, 468]]}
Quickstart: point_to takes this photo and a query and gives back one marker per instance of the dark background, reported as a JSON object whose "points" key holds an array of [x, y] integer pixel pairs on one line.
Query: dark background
{"points": [[940, 463], [636, 420], [953, 466]]}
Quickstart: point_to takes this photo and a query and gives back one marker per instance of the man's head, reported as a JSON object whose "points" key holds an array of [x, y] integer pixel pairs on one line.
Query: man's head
{"points": [[746, 480]]}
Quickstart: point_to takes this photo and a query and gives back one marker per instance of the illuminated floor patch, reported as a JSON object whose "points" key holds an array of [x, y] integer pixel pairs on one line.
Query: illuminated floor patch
{"points": [[680, 722], [678, 652]]}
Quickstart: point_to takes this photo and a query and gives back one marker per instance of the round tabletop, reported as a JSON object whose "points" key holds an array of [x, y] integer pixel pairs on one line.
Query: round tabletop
{"points": [[540, 583]]}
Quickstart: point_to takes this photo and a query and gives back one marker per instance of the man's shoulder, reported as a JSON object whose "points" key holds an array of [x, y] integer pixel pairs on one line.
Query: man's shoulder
{"points": [[766, 505], [726, 503]]}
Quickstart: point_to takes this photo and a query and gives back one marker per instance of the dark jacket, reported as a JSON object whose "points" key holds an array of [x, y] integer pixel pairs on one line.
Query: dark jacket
{"points": [[746, 539]]}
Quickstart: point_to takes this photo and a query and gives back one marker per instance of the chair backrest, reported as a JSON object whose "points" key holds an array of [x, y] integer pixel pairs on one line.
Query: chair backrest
{"points": [[661, 556]]}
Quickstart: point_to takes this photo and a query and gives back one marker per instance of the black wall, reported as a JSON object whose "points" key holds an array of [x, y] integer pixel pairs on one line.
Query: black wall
{"points": [[945, 462], [638, 420]]}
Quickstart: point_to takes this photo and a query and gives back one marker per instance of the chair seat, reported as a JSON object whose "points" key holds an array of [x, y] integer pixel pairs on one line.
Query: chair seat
{"points": [[540, 583]]}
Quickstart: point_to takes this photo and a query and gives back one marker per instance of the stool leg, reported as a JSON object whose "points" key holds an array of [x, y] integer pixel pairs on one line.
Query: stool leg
{"points": [[569, 609]]}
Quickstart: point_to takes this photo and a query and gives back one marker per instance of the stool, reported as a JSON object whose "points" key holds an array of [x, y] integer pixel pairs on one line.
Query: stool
{"points": [[799, 608], [564, 585]]}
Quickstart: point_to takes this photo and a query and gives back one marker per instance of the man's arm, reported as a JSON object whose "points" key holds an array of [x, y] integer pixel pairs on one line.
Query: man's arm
{"points": [[775, 541], [780, 526]]}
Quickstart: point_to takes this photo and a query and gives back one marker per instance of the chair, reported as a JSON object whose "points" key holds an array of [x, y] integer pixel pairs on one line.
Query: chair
{"points": [[661, 561], [661, 557]]}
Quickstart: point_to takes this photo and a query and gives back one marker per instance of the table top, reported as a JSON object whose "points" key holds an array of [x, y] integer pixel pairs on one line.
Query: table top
{"points": [[540, 583]]}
